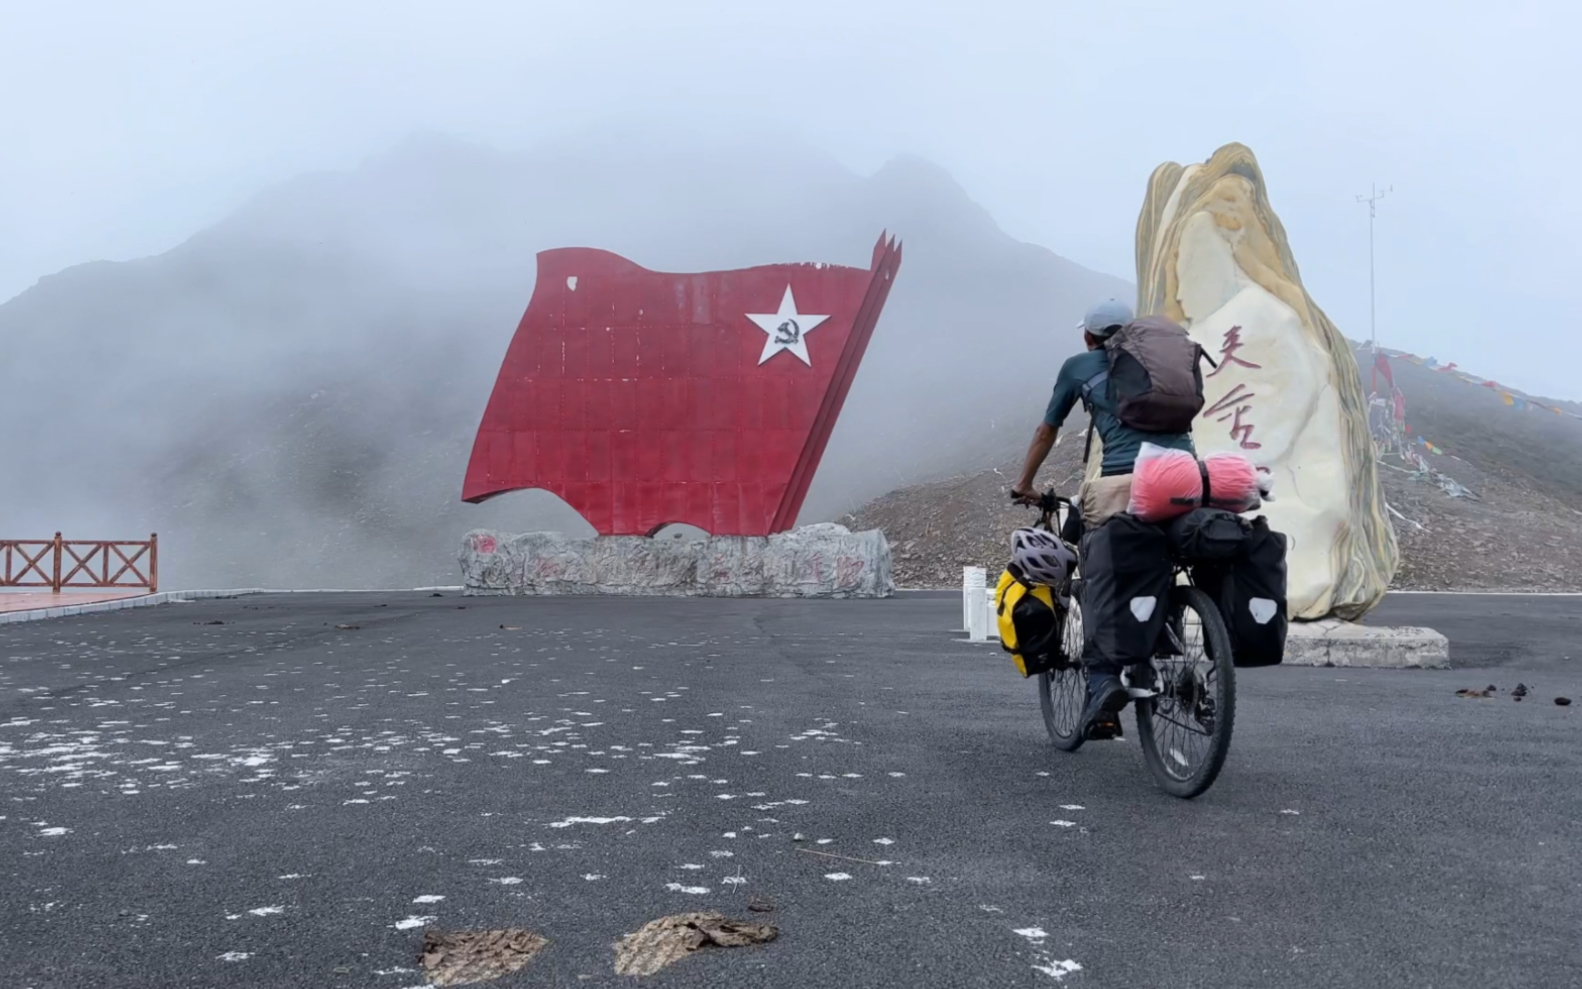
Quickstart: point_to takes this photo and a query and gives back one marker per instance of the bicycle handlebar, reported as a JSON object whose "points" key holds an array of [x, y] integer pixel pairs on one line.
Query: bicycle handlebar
{"points": [[1048, 501]]}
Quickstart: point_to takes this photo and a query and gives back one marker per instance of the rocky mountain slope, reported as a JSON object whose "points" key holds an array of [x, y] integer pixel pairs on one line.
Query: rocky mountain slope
{"points": [[1521, 529]]}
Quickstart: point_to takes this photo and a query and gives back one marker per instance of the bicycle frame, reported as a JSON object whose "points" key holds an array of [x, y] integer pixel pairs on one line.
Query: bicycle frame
{"points": [[1049, 504]]}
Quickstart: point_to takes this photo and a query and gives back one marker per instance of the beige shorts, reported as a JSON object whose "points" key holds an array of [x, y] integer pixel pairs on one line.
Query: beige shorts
{"points": [[1102, 497]]}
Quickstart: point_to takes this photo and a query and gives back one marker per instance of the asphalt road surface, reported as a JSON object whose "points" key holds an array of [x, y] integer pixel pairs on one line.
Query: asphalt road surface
{"points": [[246, 793], [1526, 631]]}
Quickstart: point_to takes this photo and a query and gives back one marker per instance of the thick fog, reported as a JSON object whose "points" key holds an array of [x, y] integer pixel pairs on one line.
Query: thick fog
{"points": [[262, 266], [290, 396], [128, 127]]}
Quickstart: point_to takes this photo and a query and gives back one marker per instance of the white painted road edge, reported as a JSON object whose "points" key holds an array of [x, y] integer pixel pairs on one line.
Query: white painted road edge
{"points": [[1499, 594], [176, 597]]}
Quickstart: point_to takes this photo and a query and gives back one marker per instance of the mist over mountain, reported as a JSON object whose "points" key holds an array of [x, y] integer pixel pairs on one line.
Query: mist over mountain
{"points": [[289, 397]]}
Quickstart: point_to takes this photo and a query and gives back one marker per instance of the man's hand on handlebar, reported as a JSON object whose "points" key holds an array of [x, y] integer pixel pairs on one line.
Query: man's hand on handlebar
{"points": [[1047, 501], [1024, 496]]}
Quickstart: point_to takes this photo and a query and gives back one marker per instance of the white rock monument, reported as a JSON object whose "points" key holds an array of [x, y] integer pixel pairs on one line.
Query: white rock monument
{"points": [[1212, 255]]}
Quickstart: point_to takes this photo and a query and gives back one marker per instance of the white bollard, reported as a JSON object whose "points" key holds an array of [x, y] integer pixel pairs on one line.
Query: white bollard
{"points": [[981, 625], [973, 581]]}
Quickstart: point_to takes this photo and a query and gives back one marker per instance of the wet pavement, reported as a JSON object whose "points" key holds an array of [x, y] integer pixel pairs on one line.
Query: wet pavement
{"points": [[286, 790]]}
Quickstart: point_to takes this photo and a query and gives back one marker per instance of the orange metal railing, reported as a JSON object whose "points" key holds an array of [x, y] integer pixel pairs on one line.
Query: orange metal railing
{"points": [[61, 564]]}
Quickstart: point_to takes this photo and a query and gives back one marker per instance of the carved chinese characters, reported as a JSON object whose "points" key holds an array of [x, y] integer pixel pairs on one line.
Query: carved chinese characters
{"points": [[1238, 402]]}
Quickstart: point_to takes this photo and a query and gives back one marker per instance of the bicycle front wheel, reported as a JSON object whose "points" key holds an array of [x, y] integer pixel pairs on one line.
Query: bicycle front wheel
{"points": [[1062, 691], [1185, 727]]}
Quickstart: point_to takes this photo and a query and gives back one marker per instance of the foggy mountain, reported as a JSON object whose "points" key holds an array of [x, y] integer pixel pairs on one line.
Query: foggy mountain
{"points": [[289, 397]]}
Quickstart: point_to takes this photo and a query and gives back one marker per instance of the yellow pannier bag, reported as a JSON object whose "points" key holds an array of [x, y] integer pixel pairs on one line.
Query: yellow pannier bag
{"points": [[1029, 623]]}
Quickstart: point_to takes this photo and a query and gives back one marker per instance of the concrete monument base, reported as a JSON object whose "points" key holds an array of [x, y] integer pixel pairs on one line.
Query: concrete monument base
{"points": [[1336, 643], [815, 561]]}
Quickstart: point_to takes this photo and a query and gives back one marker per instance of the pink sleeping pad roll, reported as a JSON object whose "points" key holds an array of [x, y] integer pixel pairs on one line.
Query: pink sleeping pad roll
{"points": [[1232, 482], [1165, 484], [1169, 483]]}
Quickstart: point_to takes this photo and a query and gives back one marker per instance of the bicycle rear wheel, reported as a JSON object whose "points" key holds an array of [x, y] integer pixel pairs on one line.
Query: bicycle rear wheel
{"points": [[1185, 727], [1063, 690]]}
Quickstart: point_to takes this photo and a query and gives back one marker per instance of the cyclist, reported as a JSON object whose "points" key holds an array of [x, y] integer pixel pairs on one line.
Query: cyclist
{"points": [[1083, 378]]}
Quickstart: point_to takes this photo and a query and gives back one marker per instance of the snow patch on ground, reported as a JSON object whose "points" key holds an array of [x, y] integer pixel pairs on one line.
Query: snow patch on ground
{"points": [[413, 921]]}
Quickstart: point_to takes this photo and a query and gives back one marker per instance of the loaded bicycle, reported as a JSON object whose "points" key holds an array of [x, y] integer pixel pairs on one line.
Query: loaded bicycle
{"points": [[1184, 696]]}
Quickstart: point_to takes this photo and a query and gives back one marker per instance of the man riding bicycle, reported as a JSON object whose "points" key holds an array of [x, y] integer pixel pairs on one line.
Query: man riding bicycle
{"points": [[1084, 378]]}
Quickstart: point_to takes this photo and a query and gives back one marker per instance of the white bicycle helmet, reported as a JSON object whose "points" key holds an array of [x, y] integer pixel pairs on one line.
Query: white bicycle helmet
{"points": [[1041, 557]]}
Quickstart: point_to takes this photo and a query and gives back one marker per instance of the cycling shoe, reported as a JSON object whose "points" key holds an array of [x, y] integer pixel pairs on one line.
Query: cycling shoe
{"points": [[1107, 696]]}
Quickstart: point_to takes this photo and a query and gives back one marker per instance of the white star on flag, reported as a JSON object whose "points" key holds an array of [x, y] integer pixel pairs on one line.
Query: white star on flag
{"points": [[787, 329]]}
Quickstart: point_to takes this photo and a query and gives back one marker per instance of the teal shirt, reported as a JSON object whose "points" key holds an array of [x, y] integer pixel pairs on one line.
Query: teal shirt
{"points": [[1121, 442]]}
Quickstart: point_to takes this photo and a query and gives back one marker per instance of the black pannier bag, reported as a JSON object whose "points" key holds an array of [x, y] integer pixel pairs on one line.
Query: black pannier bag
{"points": [[1206, 535], [1250, 590], [1126, 577]]}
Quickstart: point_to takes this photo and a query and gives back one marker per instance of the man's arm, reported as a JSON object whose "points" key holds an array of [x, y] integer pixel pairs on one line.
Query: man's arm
{"points": [[1067, 389], [1037, 453]]}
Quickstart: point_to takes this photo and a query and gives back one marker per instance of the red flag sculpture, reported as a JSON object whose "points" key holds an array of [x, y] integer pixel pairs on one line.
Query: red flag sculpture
{"points": [[643, 398]]}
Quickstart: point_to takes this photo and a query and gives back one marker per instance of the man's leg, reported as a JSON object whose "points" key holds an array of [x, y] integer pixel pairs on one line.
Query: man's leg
{"points": [[1106, 694], [1107, 697]]}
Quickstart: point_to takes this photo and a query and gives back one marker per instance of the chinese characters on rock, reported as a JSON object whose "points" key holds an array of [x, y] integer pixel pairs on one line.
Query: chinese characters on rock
{"points": [[1238, 401]]}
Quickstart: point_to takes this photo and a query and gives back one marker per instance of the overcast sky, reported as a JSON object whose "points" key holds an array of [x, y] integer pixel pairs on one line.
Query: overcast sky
{"points": [[129, 124]]}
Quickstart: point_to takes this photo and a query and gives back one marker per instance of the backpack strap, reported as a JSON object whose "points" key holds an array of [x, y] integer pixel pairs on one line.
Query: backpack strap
{"points": [[1090, 386]]}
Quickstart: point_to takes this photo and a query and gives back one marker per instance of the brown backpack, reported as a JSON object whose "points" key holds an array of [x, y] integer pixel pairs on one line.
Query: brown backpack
{"points": [[1154, 376]]}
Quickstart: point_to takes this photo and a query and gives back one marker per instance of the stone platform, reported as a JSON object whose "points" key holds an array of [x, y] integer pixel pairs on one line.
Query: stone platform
{"points": [[1337, 643], [36, 607], [815, 561], [12, 603]]}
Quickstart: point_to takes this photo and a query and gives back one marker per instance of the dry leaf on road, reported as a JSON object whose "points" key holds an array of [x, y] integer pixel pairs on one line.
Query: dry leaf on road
{"points": [[660, 942], [458, 958]]}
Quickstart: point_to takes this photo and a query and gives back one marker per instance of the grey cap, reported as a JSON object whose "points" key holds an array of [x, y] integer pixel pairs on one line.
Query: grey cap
{"points": [[1103, 319]]}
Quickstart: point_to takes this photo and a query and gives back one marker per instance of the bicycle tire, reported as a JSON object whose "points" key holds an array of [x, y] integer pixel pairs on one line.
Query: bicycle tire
{"points": [[1063, 691], [1184, 687]]}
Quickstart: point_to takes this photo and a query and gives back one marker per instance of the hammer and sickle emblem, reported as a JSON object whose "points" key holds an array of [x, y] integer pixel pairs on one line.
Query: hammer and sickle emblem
{"points": [[788, 332]]}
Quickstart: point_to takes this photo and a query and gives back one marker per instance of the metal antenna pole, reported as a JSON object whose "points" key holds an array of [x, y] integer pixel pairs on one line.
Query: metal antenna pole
{"points": [[1372, 199]]}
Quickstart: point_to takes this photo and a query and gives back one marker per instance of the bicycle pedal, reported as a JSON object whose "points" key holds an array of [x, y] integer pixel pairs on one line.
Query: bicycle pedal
{"points": [[1105, 731], [1139, 693]]}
